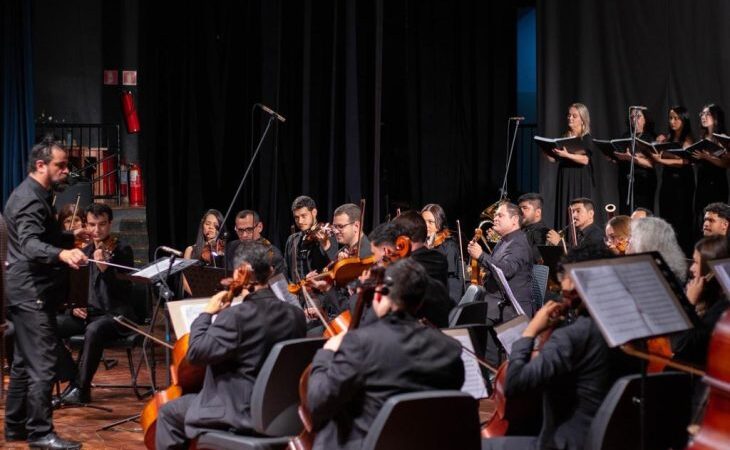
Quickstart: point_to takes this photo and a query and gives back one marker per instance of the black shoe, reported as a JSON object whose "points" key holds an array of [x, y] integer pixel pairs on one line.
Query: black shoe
{"points": [[52, 441], [75, 396], [15, 436]]}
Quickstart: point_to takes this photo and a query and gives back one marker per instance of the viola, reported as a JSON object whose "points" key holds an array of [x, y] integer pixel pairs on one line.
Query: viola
{"points": [[186, 377]]}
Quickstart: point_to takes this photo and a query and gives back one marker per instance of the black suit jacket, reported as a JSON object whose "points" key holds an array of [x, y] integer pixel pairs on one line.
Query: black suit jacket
{"points": [[107, 292], [392, 356], [574, 370], [234, 348]]}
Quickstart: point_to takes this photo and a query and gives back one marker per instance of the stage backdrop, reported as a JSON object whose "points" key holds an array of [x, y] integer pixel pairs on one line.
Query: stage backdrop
{"points": [[400, 102], [613, 54]]}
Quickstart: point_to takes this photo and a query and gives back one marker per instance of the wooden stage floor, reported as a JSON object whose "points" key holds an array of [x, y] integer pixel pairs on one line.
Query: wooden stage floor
{"points": [[81, 424]]}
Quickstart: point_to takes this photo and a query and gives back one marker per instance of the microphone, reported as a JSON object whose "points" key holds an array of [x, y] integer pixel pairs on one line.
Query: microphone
{"points": [[638, 108], [171, 251], [278, 116], [517, 118]]}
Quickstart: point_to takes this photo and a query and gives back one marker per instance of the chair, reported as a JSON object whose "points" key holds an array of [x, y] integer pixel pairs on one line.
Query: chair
{"points": [[429, 420], [468, 313], [539, 284], [667, 404], [473, 293], [274, 400]]}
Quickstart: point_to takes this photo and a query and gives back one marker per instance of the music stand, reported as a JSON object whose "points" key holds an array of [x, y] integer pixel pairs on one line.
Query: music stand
{"points": [[78, 288], [204, 281]]}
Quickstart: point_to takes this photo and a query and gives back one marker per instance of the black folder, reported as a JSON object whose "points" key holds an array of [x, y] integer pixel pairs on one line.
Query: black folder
{"points": [[722, 139], [607, 148], [713, 148], [547, 145]]}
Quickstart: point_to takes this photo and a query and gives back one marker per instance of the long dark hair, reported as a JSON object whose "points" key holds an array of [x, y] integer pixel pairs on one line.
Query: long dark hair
{"points": [[439, 215], [686, 131], [200, 239], [718, 116]]}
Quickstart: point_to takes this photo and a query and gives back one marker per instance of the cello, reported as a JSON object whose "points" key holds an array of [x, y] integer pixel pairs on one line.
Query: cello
{"points": [[186, 377]]}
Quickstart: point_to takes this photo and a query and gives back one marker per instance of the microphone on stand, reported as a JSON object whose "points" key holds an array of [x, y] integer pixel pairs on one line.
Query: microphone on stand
{"points": [[171, 251], [517, 118], [266, 109]]}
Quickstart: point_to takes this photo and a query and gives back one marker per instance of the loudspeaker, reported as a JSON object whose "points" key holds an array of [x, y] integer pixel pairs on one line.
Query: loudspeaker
{"points": [[69, 195]]}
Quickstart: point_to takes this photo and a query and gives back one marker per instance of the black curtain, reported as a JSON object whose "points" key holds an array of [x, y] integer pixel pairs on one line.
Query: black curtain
{"points": [[399, 102], [613, 54]]}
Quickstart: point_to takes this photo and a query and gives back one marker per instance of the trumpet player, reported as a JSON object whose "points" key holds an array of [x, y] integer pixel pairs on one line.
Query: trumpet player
{"points": [[513, 255], [587, 232]]}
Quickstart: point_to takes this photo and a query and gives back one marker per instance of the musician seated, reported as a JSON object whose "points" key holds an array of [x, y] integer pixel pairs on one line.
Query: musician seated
{"points": [[304, 250], [532, 225], [575, 368], [248, 228], [618, 234], [716, 219], [208, 246], [641, 213], [70, 217], [357, 371], [346, 225], [582, 211], [108, 296], [233, 347], [440, 238]]}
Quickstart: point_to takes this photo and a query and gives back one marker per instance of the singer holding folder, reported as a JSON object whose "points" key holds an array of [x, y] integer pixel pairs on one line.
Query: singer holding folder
{"points": [[575, 171]]}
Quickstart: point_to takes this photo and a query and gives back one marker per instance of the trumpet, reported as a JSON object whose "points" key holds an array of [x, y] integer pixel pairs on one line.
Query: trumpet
{"points": [[610, 210]]}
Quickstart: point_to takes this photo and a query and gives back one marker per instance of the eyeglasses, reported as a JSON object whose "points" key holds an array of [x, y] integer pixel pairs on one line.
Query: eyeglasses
{"points": [[341, 226], [247, 230]]}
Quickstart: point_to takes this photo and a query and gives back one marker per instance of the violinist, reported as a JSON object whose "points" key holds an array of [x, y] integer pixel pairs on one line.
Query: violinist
{"points": [[347, 230], [248, 228], [209, 247], [532, 225], [442, 240], [716, 219], [358, 371], [640, 213], [233, 347], [617, 234], [575, 368], [108, 296], [309, 249]]}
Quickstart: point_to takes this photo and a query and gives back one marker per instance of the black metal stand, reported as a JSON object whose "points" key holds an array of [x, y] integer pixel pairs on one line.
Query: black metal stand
{"points": [[510, 152], [632, 129]]}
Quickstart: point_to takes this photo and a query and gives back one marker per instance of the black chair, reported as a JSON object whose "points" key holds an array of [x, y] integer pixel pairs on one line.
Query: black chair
{"points": [[667, 404], [430, 420], [274, 400], [539, 284], [468, 313]]}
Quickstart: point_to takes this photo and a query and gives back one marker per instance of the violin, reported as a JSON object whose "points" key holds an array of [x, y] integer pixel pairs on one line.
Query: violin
{"points": [[474, 263], [311, 235], [186, 377], [210, 250], [108, 246], [440, 237]]}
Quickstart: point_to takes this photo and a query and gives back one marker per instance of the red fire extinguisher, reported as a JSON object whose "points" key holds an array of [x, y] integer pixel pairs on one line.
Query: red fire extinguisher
{"points": [[136, 187], [124, 180], [131, 119]]}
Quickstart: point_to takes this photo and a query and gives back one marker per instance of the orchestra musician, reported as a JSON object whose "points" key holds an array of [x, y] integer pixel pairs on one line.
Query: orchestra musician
{"points": [[38, 252], [640, 213], [108, 296], [574, 368], [575, 170], [617, 234], [532, 225], [583, 215], [440, 238], [357, 371], [305, 251], [249, 228], [716, 218], [68, 220], [233, 347], [346, 225], [654, 234], [678, 182], [209, 247], [513, 255]]}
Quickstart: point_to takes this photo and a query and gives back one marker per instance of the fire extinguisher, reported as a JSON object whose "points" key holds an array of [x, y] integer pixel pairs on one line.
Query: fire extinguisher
{"points": [[131, 119], [123, 180], [136, 187]]}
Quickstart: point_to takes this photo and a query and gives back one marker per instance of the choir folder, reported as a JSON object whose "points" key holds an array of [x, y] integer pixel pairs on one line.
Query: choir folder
{"points": [[547, 145]]}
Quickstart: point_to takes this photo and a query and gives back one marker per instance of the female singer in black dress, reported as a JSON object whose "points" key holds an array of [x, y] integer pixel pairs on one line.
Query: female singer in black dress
{"points": [[644, 174], [711, 170], [678, 182], [575, 171], [441, 239]]}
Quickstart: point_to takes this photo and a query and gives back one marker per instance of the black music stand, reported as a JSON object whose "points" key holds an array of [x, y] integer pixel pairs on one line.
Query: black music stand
{"points": [[204, 281]]}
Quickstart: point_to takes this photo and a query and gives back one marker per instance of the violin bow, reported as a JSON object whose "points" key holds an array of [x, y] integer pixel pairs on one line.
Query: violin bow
{"points": [[362, 223], [461, 254]]}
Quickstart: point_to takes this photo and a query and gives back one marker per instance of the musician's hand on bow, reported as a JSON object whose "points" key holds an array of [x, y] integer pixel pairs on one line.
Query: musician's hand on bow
{"points": [[217, 303], [79, 312], [82, 234], [321, 285], [334, 342], [101, 255], [553, 237], [474, 249], [73, 258], [544, 319]]}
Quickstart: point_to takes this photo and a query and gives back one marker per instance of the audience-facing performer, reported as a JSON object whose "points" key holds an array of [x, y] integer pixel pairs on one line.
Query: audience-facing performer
{"points": [[206, 248], [645, 180], [640, 213], [108, 296], [249, 228], [587, 231], [708, 299], [532, 225], [716, 219], [576, 352], [440, 238], [575, 170], [356, 372], [618, 231], [654, 234], [304, 251], [346, 225], [37, 253], [678, 183], [711, 169], [233, 348]]}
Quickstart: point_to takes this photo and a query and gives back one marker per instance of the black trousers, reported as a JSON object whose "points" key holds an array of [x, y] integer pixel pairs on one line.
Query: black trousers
{"points": [[97, 330], [170, 431], [28, 403]]}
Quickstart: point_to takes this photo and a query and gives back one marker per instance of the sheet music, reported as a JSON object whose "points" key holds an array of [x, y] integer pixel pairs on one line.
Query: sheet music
{"points": [[510, 331], [160, 265], [628, 300], [184, 312], [507, 290], [473, 379], [279, 287]]}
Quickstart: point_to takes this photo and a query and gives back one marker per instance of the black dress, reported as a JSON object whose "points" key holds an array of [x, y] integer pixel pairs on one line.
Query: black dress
{"points": [[711, 187], [574, 180], [675, 203], [645, 182]]}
